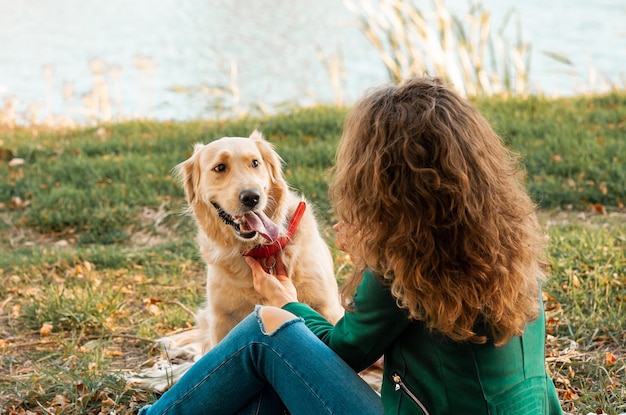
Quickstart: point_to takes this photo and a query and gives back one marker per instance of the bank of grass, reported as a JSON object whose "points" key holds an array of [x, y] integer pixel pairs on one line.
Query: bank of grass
{"points": [[98, 259]]}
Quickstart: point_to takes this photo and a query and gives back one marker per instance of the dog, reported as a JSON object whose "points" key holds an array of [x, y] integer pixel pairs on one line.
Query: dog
{"points": [[236, 192], [242, 205]]}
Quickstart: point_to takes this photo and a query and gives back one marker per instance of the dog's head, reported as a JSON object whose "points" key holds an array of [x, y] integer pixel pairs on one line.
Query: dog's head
{"points": [[235, 184]]}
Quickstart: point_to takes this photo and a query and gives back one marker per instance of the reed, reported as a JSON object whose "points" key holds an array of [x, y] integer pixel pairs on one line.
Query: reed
{"points": [[102, 103], [465, 51]]}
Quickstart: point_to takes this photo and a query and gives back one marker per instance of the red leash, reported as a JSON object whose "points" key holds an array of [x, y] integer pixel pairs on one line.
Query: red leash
{"points": [[269, 250]]}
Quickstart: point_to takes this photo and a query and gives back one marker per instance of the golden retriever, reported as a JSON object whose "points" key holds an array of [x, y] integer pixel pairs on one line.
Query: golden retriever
{"points": [[236, 192]]}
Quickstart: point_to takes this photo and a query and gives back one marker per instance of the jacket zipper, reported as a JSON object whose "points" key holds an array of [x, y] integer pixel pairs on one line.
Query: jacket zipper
{"points": [[401, 385]]}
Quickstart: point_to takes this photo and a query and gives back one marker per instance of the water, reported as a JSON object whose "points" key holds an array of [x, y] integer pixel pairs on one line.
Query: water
{"points": [[273, 45]]}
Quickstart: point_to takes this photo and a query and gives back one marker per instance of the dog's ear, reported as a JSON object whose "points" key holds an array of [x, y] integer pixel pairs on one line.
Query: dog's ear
{"points": [[274, 166], [256, 135], [189, 174], [270, 157]]}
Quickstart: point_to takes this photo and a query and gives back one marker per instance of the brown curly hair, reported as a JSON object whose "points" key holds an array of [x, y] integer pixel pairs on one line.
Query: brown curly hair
{"points": [[435, 204]]}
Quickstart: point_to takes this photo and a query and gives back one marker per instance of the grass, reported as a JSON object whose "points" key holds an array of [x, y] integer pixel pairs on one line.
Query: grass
{"points": [[98, 259], [585, 305]]}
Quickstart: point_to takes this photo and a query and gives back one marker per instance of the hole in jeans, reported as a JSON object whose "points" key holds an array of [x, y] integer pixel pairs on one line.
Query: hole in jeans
{"points": [[274, 317]]}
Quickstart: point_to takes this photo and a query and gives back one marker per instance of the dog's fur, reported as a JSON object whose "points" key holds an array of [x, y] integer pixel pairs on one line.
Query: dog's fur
{"points": [[221, 173]]}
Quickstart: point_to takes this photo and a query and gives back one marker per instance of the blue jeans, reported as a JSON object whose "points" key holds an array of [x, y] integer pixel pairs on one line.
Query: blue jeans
{"points": [[253, 372]]}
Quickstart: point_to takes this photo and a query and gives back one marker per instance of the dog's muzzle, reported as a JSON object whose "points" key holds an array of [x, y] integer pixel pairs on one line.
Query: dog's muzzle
{"points": [[230, 221], [251, 223]]}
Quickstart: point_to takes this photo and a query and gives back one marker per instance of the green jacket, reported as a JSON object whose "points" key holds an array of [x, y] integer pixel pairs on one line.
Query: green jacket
{"points": [[426, 373]]}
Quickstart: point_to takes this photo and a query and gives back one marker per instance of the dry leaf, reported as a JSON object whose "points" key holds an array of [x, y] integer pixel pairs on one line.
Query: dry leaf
{"points": [[16, 162], [108, 401], [610, 358], [570, 395], [113, 353], [78, 271], [551, 325], [88, 266], [153, 309], [151, 305], [82, 389], [59, 400], [45, 330], [16, 202], [598, 208], [15, 310]]}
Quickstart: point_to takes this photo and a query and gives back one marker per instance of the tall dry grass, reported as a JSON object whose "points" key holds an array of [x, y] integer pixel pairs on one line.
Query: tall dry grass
{"points": [[467, 50]]}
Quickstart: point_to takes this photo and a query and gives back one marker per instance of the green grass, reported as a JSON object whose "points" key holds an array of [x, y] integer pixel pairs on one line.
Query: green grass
{"points": [[96, 249], [585, 308], [574, 149]]}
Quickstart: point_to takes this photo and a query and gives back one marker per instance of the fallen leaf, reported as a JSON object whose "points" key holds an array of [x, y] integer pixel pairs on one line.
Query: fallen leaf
{"points": [[16, 202], [81, 388], [16, 162], [62, 243], [153, 309], [598, 208], [45, 330], [610, 358], [551, 325], [59, 400], [15, 310], [570, 395], [88, 266], [151, 305], [108, 402], [571, 183]]}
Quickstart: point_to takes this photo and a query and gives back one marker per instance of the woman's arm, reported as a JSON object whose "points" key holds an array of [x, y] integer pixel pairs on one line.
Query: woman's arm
{"points": [[362, 335]]}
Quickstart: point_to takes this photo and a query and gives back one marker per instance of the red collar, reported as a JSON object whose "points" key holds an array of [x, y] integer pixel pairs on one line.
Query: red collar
{"points": [[269, 250]]}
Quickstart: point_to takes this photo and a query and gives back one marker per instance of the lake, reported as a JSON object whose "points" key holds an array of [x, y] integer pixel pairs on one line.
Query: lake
{"points": [[171, 59]]}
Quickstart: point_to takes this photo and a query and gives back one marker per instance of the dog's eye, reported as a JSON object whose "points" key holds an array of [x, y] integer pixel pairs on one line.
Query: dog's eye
{"points": [[220, 168], [255, 163]]}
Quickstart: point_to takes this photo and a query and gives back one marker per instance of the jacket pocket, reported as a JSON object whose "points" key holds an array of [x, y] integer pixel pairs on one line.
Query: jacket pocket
{"points": [[525, 398], [402, 388]]}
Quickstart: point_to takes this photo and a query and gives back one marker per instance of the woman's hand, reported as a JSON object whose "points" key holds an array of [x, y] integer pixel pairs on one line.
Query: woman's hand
{"points": [[277, 288]]}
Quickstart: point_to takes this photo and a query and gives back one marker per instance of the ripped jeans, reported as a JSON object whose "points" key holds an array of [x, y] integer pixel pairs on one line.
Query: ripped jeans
{"points": [[255, 372]]}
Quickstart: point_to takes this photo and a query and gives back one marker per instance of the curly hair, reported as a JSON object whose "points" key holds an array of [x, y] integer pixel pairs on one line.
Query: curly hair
{"points": [[435, 204]]}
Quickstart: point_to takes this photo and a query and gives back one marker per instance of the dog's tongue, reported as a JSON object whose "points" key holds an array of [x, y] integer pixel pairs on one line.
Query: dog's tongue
{"points": [[260, 223]]}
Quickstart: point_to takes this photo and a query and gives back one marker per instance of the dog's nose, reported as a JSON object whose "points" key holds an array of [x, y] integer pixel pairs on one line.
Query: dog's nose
{"points": [[249, 198]]}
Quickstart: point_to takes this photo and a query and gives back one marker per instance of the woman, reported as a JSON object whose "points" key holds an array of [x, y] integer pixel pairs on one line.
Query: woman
{"points": [[448, 265]]}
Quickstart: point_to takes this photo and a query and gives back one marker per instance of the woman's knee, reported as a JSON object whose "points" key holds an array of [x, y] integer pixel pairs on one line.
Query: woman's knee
{"points": [[274, 317]]}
